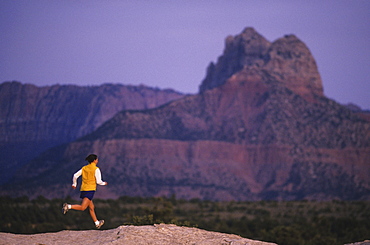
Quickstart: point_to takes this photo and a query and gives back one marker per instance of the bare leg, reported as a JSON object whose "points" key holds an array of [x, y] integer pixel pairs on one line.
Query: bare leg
{"points": [[85, 203], [92, 211]]}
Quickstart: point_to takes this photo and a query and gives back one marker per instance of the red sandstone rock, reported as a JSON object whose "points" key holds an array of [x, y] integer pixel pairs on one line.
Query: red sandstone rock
{"points": [[260, 129]]}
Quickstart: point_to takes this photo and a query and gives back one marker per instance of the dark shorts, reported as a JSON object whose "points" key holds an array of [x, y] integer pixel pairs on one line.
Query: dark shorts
{"points": [[88, 194]]}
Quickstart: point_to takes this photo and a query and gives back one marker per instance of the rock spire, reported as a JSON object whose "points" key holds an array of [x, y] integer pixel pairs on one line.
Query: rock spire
{"points": [[287, 60]]}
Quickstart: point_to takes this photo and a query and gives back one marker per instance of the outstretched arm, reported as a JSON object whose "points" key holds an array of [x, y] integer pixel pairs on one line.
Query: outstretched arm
{"points": [[75, 177], [98, 178]]}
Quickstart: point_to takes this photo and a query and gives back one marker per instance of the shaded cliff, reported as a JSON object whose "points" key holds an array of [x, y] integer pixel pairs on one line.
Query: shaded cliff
{"points": [[259, 129], [33, 119]]}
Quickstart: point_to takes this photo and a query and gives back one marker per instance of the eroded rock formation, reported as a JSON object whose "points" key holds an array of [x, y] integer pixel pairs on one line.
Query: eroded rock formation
{"points": [[260, 128]]}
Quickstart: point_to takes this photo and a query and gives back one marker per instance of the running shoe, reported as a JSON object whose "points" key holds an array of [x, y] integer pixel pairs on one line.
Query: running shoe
{"points": [[101, 222], [65, 208]]}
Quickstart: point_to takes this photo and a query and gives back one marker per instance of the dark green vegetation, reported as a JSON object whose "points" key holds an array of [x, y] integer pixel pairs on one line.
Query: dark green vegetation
{"points": [[285, 223]]}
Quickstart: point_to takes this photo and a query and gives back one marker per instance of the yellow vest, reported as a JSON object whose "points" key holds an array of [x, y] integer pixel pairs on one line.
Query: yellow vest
{"points": [[88, 177]]}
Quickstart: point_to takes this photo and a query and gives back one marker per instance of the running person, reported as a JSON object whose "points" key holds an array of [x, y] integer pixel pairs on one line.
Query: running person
{"points": [[91, 176]]}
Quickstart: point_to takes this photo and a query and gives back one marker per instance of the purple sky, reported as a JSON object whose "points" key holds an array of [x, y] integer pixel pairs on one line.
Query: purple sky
{"points": [[169, 43]]}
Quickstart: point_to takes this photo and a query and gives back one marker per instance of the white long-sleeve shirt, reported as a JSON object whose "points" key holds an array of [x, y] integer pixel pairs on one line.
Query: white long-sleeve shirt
{"points": [[97, 177]]}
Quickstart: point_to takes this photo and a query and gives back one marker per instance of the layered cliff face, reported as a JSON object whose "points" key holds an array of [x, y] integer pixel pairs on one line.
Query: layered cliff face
{"points": [[251, 108], [258, 130], [33, 119]]}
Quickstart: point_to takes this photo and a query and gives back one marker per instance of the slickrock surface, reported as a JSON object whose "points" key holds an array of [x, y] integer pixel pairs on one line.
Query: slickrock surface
{"points": [[161, 234], [366, 242]]}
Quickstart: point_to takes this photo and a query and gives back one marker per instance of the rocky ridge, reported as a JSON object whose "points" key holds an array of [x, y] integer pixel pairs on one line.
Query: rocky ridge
{"points": [[259, 129], [365, 114], [63, 113], [160, 234]]}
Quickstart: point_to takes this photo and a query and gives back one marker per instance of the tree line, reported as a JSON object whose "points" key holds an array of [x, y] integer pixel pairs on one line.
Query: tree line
{"points": [[281, 222]]}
